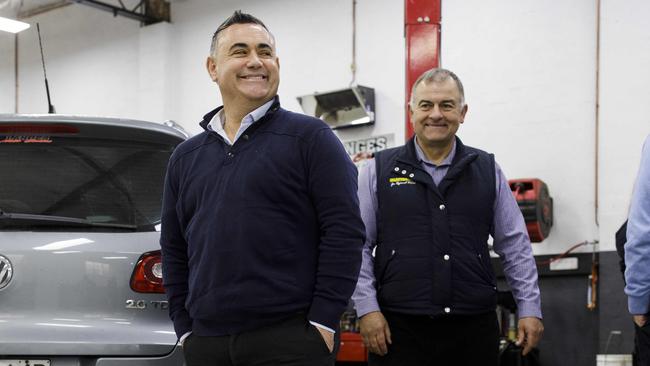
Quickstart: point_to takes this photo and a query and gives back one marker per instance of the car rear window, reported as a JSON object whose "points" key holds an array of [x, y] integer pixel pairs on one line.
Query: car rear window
{"points": [[102, 180]]}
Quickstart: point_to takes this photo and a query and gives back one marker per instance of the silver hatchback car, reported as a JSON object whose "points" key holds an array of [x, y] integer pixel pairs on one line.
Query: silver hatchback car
{"points": [[80, 271]]}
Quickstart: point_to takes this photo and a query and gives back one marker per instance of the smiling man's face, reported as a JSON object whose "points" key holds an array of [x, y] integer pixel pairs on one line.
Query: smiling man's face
{"points": [[245, 65], [437, 112]]}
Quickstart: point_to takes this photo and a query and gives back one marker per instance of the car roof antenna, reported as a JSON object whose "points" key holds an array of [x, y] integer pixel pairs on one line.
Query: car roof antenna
{"points": [[50, 108]]}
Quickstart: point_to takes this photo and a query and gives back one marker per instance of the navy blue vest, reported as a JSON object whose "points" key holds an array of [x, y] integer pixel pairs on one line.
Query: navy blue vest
{"points": [[432, 255]]}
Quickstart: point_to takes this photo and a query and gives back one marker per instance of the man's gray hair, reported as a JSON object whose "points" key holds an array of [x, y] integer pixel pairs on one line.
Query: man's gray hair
{"points": [[438, 75]]}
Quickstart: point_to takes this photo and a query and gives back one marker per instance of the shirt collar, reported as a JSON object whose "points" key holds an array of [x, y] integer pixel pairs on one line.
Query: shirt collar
{"points": [[217, 121], [423, 158]]}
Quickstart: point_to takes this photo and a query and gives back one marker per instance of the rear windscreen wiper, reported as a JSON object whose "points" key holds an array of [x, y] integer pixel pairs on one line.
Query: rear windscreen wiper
{"points": [[61, 220]]}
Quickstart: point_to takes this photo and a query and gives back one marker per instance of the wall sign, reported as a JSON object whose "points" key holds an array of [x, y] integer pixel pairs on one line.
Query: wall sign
{"points": [[370, 144]]}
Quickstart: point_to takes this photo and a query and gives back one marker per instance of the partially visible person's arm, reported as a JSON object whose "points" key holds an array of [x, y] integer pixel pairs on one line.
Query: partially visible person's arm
{"points": [[174, 256], [333, 189], [512, 244], [365, 293], [637, 248], [374, 328]]}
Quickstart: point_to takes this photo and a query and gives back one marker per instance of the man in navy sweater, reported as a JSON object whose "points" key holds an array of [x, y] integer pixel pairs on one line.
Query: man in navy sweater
{"points": [[261, 232]]}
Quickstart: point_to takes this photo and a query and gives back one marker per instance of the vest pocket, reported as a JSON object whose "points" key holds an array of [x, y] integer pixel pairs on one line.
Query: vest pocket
{"points": [[403, 275], [474, 296], [484, 263], [396, 264], [382, 262]]}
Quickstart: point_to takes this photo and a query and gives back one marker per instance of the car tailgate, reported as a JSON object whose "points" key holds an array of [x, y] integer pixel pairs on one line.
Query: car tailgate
{"points": [[69, 293]]}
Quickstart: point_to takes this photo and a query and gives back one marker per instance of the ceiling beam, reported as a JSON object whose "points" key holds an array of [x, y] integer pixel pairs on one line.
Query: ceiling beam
{"points": [[22, 14], [154, 11]]}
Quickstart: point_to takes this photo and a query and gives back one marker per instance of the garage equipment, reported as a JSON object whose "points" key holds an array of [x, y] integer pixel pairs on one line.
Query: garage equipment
{"points": [[353, 106], [351, 345], [535, 204], [352, 348]]}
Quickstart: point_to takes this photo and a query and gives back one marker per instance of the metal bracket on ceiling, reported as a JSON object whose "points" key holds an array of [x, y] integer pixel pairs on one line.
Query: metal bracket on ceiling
{"points": [[147, 11]]}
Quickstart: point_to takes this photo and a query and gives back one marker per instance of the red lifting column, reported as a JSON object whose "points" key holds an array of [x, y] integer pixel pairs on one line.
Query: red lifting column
{"points": [[422, 32]]}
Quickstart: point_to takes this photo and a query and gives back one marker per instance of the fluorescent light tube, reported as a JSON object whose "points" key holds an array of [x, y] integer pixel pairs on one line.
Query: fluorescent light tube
{"points": [[12, 26]]}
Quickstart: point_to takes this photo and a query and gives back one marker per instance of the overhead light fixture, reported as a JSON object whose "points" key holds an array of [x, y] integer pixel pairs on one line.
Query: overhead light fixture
{"points": [[352, 106], [12, 26]]}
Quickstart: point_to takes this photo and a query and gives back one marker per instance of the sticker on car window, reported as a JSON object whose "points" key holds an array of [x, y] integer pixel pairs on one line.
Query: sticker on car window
{"points": [[26, 140]]}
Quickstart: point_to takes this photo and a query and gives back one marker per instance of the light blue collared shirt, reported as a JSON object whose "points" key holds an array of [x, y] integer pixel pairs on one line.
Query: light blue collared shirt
{"points": [[217, 122]]}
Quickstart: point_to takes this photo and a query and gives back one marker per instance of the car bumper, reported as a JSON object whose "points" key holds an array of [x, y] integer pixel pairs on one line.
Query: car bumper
{"points": [[175, 358]]}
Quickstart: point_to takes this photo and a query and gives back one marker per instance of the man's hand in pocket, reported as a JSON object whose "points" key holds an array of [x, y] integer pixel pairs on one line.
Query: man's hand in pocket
{"points": [[328, 337]]}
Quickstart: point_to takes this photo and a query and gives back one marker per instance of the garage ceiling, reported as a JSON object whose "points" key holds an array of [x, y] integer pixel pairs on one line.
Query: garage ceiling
{"points": [[145, 11]]}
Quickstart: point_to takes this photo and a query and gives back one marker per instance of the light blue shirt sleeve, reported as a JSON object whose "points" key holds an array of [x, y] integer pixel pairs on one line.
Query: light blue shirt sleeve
{"points": [[637, 247], [365, 294], [512, 244]]}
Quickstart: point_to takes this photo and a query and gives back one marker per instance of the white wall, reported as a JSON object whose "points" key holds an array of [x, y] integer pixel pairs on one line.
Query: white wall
{"points": [[624, 105], [7, 78], [314, 44], [91, 59], [529, 69], [101, 65]]}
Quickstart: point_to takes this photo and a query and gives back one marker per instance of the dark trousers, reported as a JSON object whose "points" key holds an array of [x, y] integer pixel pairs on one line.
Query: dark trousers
{"points": [[449, 340], [294, 342], [642, 345]]}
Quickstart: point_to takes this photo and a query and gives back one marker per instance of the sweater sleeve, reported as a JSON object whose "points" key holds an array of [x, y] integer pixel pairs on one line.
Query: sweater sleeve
{"points": [[637, 248], [333, 189], [174, 255]]}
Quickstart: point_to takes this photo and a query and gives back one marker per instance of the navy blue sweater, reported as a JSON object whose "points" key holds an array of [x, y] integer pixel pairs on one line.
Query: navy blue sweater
{"points": [[262, 230]]}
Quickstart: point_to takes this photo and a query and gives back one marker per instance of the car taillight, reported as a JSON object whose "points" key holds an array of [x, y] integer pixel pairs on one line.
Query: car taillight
{"points": [[147, 275]]}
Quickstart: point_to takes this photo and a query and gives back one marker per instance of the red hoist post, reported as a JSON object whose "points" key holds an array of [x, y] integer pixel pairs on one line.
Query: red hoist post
{"points": [[422, 32]]}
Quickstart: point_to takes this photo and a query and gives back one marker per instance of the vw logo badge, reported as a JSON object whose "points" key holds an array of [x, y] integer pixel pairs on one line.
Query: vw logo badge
{"points": [[6, 272]]}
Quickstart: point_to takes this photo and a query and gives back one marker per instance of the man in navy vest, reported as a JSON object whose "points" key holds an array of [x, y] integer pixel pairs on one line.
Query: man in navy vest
{"points": [[261, 234], [428, 295]]}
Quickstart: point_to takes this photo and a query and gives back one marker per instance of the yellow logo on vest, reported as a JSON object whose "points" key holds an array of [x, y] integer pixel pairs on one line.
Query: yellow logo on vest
{"points": [[400, 181]]}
